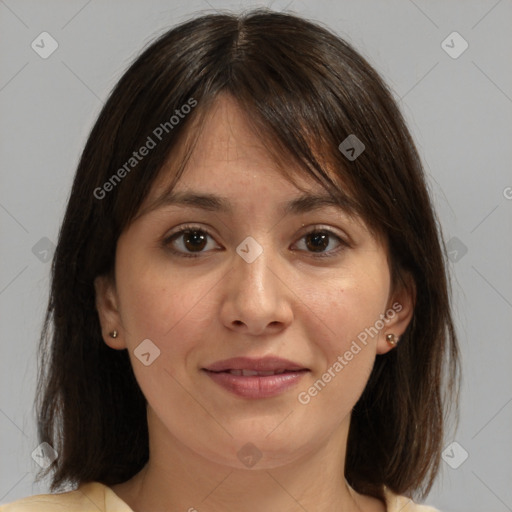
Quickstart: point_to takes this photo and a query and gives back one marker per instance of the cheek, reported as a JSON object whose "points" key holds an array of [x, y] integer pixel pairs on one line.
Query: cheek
{"points": [[356, 311], [347, 345], [157, 304], [147, 305], [350, 304], [162, 304], [346, 326]]}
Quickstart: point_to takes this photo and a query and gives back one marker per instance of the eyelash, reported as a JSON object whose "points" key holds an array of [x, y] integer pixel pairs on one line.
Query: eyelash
{"points": [[190, 228]]}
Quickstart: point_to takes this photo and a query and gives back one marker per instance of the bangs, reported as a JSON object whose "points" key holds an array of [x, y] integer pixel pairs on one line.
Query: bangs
{"points": [[294, 154], [296, 104]]}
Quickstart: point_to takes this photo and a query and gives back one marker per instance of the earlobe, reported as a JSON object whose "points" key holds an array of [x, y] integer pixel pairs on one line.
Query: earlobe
{"points": [[398, 316], [392, 339], [108, 313]]}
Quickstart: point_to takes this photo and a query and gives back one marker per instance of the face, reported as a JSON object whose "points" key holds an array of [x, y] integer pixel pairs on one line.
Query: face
{"points": [[309, 287]]}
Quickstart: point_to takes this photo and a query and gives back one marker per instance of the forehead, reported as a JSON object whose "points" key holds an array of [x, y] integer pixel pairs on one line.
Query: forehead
{"points": [[227, 136], [225, 162], [221, 146]]}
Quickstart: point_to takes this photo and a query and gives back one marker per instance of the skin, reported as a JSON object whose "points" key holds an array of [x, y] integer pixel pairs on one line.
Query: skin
{"points": [[288, 302]]}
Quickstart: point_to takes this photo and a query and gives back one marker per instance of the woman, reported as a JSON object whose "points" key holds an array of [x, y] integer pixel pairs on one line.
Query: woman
{"points": [[249, 306]]}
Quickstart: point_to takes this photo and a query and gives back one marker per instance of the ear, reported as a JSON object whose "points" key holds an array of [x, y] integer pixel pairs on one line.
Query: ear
{"points": [[108, 312], [399, 313]]}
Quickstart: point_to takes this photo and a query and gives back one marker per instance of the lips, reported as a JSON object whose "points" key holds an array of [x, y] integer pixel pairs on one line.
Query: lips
{"points": [[252, 373], [256, 378], [262, 366]]}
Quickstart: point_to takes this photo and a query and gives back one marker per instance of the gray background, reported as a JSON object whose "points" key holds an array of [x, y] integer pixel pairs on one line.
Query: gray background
{"points": [[459, 111]]}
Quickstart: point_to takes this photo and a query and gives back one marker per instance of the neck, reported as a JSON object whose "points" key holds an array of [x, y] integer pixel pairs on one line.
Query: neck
{"points": [[176, 478]]}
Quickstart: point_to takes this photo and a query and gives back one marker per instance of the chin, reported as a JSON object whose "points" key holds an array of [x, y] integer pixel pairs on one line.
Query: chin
{"points": [[256, 452]]}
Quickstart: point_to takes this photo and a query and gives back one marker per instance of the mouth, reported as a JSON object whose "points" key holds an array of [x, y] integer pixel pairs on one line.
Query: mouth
{"points": [[255, 373], [251, 366], [256, 378]]}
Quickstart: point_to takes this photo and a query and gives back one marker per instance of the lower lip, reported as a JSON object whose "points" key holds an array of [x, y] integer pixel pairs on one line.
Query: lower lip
{"points": [[256, 386]]}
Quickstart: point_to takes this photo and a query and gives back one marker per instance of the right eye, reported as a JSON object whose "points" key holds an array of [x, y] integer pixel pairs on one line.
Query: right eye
{"points": [[189, 238]]}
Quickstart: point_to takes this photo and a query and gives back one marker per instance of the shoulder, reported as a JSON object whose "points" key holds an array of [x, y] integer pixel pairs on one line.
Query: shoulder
{"points": [[397, 503], [89, 497]]}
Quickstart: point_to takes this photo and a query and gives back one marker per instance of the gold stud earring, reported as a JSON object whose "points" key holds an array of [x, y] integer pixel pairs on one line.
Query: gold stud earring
{"points": [[392, 339], [113, 334]]}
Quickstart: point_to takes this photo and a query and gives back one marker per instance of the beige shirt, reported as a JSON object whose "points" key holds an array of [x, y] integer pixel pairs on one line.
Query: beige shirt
{"points": [[96, 497]]}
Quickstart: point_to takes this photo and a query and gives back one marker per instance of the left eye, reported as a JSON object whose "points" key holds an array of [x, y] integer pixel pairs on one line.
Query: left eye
{"points": [[194, 239], [319, 240]]}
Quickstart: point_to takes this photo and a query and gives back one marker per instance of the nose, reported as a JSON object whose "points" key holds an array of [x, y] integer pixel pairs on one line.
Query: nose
{"points": [[257, 300]]}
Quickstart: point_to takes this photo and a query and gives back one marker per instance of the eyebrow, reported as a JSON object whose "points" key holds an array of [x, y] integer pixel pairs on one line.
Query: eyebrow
{"points": [[219, 204]]}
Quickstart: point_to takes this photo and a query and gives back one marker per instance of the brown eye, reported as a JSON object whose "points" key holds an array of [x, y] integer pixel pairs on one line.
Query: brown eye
{"points": [[319, 240], [194, 240], [189, 242]]}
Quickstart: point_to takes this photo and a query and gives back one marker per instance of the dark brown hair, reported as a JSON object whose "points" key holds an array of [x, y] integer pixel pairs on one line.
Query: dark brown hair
{"points": [[305, 90]]}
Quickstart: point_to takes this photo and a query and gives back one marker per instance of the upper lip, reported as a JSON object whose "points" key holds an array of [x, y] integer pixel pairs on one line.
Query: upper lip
{"points": [[263, 364]]}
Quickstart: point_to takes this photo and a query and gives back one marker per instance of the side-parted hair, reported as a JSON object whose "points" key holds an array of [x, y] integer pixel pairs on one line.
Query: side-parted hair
{"points": [[304, 90]]}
